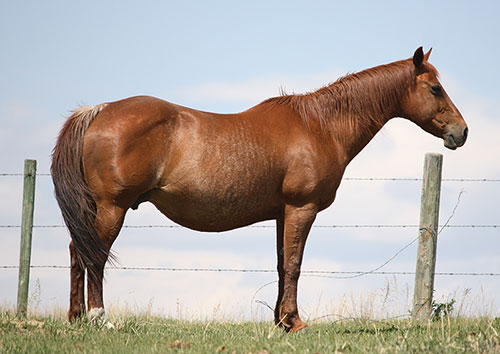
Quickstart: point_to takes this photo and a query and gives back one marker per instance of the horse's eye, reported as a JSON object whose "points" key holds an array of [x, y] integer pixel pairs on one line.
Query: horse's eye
{"points": [[436, 90]]}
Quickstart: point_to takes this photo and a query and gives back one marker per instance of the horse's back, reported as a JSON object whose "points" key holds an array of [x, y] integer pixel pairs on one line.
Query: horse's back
{"points": [[204, 170], [139, 108], [142, 144]]}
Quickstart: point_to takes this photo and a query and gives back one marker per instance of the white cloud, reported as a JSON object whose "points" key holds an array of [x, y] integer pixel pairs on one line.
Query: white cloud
{"points": [[255, 90]]}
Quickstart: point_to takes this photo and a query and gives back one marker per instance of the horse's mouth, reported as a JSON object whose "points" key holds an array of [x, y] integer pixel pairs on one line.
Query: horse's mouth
{"points": [[452, 142], [449, 142]]}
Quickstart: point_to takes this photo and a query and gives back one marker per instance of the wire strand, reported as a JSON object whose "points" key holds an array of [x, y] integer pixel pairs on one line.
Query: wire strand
{"points": [[408, 179], [354, 226], [318, 273]]}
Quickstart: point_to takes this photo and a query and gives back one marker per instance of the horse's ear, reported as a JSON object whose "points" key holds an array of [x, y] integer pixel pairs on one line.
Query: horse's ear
{"points": [[418, 57], [426, 55]]}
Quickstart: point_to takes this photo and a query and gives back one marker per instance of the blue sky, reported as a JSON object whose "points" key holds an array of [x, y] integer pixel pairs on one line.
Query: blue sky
{"points": [[225, 56]]}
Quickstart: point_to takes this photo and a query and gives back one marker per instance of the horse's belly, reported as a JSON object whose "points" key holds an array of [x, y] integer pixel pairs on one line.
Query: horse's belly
{"points": [[215, 211]]}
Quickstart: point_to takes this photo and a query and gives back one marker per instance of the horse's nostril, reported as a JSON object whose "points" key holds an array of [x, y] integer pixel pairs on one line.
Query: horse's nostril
{"points": [[466, 132]]}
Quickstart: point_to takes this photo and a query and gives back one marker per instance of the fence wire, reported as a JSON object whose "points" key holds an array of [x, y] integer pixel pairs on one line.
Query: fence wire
{"points": [[354, 226], [408, 179], [235, 270]]}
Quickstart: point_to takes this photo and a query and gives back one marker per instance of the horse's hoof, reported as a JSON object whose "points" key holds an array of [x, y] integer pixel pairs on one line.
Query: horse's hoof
{"points": [[96, 313], [97, 317], [299, 327], [74, 315], [108, 325]]}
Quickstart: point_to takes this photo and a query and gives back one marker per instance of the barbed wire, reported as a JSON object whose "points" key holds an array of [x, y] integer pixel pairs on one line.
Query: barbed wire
{"points": [[22, 174], [408, 179], [353, 226], [340, 226], [240, 270], [419, 179]]}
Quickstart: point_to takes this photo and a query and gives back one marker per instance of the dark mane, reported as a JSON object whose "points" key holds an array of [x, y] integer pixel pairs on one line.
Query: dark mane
{"points": [[366, 95]]}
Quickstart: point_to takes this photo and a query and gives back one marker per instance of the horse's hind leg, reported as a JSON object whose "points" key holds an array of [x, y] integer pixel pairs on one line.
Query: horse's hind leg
{"points": [[77, 279], [108, 224]]}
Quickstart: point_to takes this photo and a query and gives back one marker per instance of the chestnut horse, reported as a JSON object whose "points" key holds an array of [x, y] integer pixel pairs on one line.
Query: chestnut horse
{"points": [[282, 159]]}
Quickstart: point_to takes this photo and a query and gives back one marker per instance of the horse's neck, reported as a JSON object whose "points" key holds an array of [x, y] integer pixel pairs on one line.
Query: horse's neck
{"points": [[352, 135], [359, 105]]}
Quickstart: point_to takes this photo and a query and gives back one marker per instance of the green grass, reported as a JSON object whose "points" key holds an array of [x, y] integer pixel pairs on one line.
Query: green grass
{"points": [[147, 334]]}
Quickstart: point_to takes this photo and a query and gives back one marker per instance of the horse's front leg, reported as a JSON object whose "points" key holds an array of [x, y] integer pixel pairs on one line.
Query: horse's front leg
{"points": [[280, 226], [297, 223]]}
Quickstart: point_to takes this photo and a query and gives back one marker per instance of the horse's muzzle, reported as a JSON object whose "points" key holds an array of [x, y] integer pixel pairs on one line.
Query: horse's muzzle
{"points": [[455, 138]]}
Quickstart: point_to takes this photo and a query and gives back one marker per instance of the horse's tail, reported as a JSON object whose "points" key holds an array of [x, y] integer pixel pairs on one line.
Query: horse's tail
{"points": [[71, 190]]}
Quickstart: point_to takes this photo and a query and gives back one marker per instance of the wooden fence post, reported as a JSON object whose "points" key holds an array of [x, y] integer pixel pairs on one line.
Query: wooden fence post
{"points": [[26, 233], [426, 256]]}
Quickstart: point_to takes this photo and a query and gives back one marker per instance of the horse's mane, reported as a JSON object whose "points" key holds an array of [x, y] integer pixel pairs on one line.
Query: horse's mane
{"points": [[368, 95]]}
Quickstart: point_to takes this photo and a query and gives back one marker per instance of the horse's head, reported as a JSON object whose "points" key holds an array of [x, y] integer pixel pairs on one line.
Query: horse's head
{"points": [[429, 106]]}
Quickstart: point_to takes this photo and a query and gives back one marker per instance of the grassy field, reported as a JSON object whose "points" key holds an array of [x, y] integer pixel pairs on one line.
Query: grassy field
{"points": [[149, 334]]}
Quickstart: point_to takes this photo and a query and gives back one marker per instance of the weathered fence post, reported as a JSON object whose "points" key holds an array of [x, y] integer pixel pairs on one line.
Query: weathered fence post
{"points": [[26, 233], [426, 256]]}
